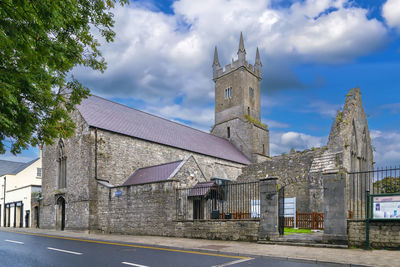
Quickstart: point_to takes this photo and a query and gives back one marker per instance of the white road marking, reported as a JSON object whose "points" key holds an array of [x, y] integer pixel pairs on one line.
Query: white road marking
{"points": [[133, 264], [66, 251], [233, 262], [12, 241]]}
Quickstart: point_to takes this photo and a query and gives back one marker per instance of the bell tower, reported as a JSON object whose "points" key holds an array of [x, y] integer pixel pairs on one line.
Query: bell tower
{"points": [[238, 105]]}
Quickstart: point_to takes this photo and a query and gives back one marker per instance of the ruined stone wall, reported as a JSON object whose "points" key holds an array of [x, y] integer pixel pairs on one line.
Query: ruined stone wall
{"points": [[350, 134], [382, 234], [78, 151], [293, 172], [119, 156]]}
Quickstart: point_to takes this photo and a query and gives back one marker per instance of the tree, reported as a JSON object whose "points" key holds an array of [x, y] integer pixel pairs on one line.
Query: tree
{"points": [[40, 43], [387, 185]]}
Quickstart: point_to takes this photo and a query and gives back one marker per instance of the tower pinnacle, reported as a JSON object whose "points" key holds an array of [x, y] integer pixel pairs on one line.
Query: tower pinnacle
{"points": [[258, 64], [216, 60], [241, 51], [258, 60]]}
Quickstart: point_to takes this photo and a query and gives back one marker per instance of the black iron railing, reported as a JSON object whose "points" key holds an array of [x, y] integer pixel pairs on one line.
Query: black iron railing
{"points": [[378, 181], [211, 201]]}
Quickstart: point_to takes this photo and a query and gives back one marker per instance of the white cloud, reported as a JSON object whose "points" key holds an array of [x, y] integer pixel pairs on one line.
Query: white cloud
{"points": [[283, 142], [156, 57], [200, 118], [391, 13], [386, 147], [323, 108], [275, 124], [393, 108]]}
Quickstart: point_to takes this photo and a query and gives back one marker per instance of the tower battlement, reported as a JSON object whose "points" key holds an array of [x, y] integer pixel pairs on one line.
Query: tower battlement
{"points": [[241, 62], [236, 64]]}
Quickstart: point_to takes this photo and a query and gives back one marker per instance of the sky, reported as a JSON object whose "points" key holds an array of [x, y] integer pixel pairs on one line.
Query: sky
{"points": [[313, 52]]}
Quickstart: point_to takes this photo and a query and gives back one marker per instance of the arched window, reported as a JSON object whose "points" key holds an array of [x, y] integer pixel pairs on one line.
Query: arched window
{"points": [[62, 165]]}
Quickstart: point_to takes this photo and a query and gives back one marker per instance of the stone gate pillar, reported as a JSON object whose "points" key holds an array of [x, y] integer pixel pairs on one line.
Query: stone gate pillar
{"points": [[269, 215], [335, 213]]}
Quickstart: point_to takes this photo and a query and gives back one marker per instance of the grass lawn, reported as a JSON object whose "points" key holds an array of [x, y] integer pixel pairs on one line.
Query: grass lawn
{"points": [[289, 231]]}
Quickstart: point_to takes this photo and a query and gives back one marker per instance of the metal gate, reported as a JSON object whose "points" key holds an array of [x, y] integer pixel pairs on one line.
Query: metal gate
{"points": [[281, 210]]}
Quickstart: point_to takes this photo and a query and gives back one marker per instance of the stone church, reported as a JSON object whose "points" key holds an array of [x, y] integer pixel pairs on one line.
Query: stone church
{"points": [[119, 171]]}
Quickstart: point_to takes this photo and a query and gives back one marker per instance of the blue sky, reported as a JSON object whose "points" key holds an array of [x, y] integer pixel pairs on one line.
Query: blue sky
{"points": [[312, 52]]}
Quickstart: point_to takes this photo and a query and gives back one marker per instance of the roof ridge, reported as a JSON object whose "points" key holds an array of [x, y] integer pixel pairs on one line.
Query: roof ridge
{"points": [[159, 165], [160, 117]]}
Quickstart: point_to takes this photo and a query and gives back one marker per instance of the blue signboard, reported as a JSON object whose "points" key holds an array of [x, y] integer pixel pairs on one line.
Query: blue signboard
{"points": [[118, 193]]}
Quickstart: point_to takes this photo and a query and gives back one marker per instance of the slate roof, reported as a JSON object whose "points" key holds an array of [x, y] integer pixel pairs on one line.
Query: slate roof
{"points": [[107, 115], [13, 167], [201, 189], [152, 174]]}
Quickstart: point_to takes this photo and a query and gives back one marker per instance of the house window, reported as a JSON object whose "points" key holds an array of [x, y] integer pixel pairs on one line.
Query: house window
{"points": [[228, 93], [248, 111], [228, 132], [62, 165], [251, 92], [39, 172]]}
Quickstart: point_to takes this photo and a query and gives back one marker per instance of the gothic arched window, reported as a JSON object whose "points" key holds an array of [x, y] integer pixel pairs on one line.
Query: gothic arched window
{"points": [[62, 165]]}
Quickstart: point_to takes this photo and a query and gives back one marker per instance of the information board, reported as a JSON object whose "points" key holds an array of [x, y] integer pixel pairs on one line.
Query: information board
{"points": [[386, 207]]}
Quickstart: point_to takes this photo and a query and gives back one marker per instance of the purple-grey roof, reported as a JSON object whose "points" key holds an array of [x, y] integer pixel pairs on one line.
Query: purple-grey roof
{"points": [[152, 174], [105, 114], [201, 189], [13, 167]]}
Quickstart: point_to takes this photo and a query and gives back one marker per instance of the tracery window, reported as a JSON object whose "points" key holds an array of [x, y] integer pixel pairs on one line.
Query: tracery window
{"points": [[62, 165]]}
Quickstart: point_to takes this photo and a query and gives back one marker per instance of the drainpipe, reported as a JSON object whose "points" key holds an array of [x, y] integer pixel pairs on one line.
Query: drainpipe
{"points": [[4, 199]]}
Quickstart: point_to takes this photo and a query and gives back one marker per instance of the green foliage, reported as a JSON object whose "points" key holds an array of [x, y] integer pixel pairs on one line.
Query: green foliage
{"points": [[339, 118], [255, 121], [40, 42], [387, 185]]}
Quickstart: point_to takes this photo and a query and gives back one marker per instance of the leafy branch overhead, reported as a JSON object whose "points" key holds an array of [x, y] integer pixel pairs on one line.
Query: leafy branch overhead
{"points": [[40, 43]]}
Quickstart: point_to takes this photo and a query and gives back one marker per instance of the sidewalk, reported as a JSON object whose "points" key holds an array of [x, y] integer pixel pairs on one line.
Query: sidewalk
{"points": [[323, 255]]}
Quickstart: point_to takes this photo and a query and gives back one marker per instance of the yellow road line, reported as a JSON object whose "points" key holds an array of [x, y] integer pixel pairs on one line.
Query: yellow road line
{"points": [[129, 245]]}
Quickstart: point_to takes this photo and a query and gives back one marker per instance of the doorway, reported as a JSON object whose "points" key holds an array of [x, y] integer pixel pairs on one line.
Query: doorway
{"points": [[60, 214]]}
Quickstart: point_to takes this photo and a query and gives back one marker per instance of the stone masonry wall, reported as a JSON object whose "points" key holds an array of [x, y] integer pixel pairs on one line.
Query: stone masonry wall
{"points": [[293, 172], [244, 230], [147, 209], [382, 234], [119, 156], [79, 168], [150, 209]]}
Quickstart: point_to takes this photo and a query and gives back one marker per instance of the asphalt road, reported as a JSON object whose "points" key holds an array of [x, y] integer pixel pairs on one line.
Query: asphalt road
{"points": [[18, 249]]}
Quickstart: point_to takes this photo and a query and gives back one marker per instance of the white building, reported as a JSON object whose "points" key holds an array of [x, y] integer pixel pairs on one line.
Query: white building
{"points": [[19, 183]]}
